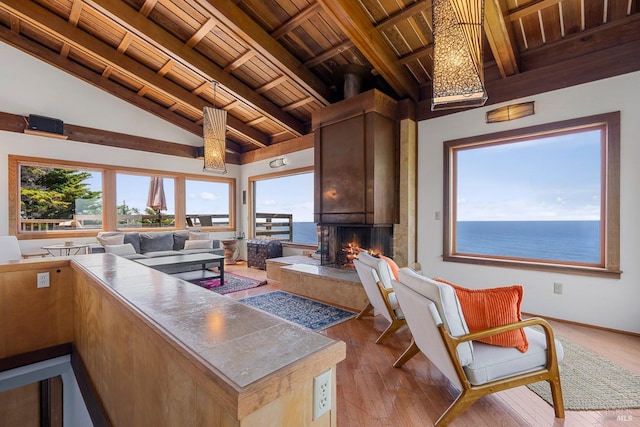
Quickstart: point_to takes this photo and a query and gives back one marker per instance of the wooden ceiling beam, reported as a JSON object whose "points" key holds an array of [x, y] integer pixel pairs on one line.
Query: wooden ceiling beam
{"points": [[354, 22], [255, 36], [297, 20], [150, 32], [500, 37], [67, 33]]}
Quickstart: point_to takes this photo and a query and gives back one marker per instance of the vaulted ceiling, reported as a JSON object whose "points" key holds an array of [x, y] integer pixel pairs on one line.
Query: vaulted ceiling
{"points": [[278, 61]]}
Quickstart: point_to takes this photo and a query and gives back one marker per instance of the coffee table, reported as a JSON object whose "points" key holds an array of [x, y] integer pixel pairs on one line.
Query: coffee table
{"points": [[168, 263]]}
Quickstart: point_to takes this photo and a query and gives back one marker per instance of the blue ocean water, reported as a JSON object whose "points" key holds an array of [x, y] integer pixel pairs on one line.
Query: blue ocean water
{"points": [[303, 232], [576, 241]]}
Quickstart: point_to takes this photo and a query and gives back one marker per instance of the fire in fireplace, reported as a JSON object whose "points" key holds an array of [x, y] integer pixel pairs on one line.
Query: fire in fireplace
{"points": [[340, 244]]}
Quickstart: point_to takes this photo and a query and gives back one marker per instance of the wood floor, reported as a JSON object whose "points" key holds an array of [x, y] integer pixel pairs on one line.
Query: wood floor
{"points": [[373, 393]]}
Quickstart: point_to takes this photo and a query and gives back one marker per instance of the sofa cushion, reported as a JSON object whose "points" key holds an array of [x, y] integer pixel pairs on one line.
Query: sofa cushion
{"points": [[197, 235], [198, 244], [154, 242], [124, 249], [114, 239], [491, 363], [179, 237], [129, 237]]}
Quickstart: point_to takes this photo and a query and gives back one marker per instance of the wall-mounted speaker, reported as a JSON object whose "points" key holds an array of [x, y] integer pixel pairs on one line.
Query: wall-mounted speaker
{"points": [[45, 124]]}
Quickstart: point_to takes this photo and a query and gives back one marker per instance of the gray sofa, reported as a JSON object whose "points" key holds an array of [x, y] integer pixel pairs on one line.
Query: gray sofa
{"points": [[155, 244]]}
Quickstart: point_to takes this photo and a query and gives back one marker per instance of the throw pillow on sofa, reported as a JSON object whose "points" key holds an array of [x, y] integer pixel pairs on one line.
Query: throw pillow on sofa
{"points": [[116, 239], [198, 244], [195, 235]]}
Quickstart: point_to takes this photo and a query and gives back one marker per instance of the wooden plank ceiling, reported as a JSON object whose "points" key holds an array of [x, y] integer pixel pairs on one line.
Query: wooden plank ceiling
{"points": [[278, 61]]}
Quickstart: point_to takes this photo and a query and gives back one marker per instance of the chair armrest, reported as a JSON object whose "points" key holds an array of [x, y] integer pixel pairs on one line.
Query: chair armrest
{"points": [[546, 328]]}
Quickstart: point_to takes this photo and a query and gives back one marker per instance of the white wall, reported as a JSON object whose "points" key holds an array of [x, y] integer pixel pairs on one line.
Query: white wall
{"points": [[603, 302]]}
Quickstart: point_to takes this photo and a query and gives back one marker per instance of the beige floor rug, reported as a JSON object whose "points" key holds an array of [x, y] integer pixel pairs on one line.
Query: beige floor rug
{"points": [[592, 383]]}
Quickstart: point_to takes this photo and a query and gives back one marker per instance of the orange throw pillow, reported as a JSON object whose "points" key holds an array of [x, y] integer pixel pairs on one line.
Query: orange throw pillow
{"points": [[392, 265], [486, 308]]}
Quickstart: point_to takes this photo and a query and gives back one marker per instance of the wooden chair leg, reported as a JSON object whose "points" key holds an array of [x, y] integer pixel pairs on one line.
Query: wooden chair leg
{"points": [[364, 311], [394, 326], [411, 351], [556, 395], [461, 404]]}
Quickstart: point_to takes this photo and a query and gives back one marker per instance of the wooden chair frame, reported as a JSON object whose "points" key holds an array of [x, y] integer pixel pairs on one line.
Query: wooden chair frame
{"points": [[471, 393], [395, 323]]}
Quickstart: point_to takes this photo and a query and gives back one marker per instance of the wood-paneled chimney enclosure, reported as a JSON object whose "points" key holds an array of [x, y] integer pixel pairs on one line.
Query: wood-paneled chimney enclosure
{"points": [[357, 161]]}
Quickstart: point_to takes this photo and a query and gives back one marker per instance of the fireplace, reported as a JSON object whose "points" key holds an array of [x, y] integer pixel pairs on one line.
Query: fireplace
{"points": [[340, 244]]}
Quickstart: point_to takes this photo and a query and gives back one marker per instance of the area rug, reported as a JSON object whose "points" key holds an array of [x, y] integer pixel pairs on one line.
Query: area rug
{"points": [[592, 383], [303, 311], [232, 283]]}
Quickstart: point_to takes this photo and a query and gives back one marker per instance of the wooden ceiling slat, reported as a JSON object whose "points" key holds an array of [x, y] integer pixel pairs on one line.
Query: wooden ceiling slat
{"points": [[404, 14], [201, 33], [147, 7], [297, 20], [241, 60], [593, 13], [273, 83], [329, 53], [76, 9]]}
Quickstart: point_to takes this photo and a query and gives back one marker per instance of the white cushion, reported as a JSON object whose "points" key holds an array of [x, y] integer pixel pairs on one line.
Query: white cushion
{"points": [[446, 301], [198, 236], [198, 244], [124, 249], [491, 362], [116, 239]]}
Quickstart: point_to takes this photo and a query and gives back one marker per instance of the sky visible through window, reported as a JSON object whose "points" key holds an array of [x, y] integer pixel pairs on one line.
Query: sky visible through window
{"points": [[555, 178], [201, 196], [291, 194]]}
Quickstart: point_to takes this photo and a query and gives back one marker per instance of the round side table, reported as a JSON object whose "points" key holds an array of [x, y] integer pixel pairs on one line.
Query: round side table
{"points": [[231, 251]]}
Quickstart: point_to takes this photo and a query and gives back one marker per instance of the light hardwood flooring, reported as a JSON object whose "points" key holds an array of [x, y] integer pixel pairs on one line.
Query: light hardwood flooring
{"points": [[371, 392]]}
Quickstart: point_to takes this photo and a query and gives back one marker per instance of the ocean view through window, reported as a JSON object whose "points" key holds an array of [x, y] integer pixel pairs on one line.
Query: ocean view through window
{"points": [[282, 197], [541, 196]]}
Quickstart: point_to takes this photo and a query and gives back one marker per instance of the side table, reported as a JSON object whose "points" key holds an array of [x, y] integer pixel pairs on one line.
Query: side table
{"points": [[231, 251]]}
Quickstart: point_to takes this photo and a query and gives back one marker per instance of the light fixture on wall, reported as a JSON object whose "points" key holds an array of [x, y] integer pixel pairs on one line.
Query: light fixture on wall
{"points": [[458, 77], [278, 163], [510, 112], [214, 126]]}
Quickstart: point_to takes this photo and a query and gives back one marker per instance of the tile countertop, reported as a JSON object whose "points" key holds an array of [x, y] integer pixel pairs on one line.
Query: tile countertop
{"points": [[242, 344]]}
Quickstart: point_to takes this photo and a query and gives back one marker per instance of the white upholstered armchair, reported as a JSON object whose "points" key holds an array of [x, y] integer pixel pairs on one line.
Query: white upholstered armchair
{"points": [[375, 275], [434, 316]]}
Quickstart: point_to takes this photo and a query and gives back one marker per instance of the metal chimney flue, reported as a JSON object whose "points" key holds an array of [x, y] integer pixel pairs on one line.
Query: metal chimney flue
{"points": [[352, 84]]}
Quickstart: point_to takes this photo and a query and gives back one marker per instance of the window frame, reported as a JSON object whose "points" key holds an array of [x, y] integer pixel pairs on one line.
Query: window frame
{"points": [[610, 203], [251, 200], [109, 197]]}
